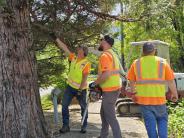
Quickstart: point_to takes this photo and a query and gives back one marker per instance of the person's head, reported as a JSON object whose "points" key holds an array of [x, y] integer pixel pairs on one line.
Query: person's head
{"points": [[106, 43], [82, 51], [148, 49]]}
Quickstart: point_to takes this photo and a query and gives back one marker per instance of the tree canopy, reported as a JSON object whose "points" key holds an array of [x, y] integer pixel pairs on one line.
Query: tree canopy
{"points": [[76, 22], [79, 22], [164, 21]]}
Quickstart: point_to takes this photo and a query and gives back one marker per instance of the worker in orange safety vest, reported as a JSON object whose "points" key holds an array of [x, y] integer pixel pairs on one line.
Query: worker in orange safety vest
{"points": [[110, 82], [148, 76]]}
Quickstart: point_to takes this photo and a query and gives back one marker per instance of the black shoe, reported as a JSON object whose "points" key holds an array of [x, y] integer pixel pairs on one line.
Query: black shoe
{"points": [[64, 129], [83, 130]]}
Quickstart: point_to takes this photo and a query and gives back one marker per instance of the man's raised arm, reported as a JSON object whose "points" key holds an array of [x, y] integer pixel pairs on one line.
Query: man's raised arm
{"points": [[60, 44]]}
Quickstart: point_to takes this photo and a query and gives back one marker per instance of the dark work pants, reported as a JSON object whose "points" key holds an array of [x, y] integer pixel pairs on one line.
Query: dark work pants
{"points": [[108, 114], [67, 98]]}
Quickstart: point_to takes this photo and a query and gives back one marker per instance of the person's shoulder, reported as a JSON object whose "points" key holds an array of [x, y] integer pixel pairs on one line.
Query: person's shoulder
{"points": [[159, 58], [105, 55], [136, 60], [87, 61], [163, 60]]}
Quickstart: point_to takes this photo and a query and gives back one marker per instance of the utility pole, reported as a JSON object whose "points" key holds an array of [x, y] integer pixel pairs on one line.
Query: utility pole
{"points": [[122, 37]]}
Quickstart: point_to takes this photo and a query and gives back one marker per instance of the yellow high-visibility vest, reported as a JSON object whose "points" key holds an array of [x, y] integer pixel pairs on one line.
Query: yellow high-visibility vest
{"points": [[75, 73], [113, 83], [150, 80]]}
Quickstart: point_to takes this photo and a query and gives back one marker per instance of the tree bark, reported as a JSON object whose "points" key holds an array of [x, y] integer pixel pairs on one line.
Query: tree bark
{"points": [[21, 115]]}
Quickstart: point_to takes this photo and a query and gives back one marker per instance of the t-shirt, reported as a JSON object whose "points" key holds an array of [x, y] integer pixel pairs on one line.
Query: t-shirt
{"points": [[105, 62], [169, 74], [86, 69]]}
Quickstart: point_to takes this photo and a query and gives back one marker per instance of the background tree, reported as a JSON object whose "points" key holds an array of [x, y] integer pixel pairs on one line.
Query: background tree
{"points": [[70, 21], [176, 13], [75, 21], [163, 20]]}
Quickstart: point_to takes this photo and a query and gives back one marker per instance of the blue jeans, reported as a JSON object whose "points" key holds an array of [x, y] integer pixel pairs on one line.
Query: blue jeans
{"points": [[67, 98], [155, 119]]}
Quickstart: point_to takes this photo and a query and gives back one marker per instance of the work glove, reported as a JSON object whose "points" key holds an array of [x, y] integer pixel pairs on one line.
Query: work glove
{"points": [[53, 35], [92, 85]]}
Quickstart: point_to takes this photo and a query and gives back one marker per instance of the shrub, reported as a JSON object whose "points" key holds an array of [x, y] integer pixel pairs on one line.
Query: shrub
{"points": [[176, 120]]}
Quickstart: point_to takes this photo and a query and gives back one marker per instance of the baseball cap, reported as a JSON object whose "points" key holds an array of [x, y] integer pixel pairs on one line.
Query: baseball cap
{"points": [[109, 40], [148, 47]]}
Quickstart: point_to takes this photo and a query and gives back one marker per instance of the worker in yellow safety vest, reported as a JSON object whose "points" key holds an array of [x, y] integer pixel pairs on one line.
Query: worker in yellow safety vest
{"points": [[148, 76], [77, 83], [110, 82]]}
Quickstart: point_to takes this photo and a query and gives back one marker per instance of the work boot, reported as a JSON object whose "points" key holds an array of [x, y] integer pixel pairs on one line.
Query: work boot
{"points": [[83, 130], [64, 129]]}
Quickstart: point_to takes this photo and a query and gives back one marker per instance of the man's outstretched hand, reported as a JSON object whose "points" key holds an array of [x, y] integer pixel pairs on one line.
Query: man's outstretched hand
{"points": [[53, 35]]}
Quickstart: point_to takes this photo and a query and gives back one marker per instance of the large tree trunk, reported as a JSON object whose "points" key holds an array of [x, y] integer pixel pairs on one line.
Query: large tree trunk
{"points": [[21, 115]]}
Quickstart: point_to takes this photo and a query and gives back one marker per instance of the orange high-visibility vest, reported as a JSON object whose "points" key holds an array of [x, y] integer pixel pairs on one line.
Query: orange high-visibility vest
{"points": [[150, 80], [113, 83]]}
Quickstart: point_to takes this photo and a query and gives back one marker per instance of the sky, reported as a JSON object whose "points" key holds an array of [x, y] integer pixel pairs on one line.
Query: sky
{"points": [[117, 10]]}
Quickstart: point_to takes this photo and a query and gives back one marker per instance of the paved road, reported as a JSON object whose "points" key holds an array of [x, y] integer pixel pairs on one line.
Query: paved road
{"points": [[131, 127]]}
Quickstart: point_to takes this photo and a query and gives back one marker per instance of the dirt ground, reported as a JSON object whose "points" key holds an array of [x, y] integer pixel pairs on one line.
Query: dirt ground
{"points": [[131, 127]]}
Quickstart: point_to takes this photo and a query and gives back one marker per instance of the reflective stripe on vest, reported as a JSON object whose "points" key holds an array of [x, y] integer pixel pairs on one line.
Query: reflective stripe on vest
{"points": [[150, 91], [113, 83], [114, 72], [138, 66], [150, 82], [161, 66], [160, 71], [75, 84], [75, 73]]}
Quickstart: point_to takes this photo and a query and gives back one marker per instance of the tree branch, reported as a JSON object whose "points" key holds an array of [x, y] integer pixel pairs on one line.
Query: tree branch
{"points": [[108, 16], [50, 58]]}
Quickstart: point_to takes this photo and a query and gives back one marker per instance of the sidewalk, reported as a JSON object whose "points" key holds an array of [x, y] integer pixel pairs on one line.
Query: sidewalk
{"points": [[131, 127]]}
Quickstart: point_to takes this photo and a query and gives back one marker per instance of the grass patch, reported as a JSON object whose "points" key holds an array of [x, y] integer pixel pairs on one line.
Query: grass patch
{"points": [[46, 102]]}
